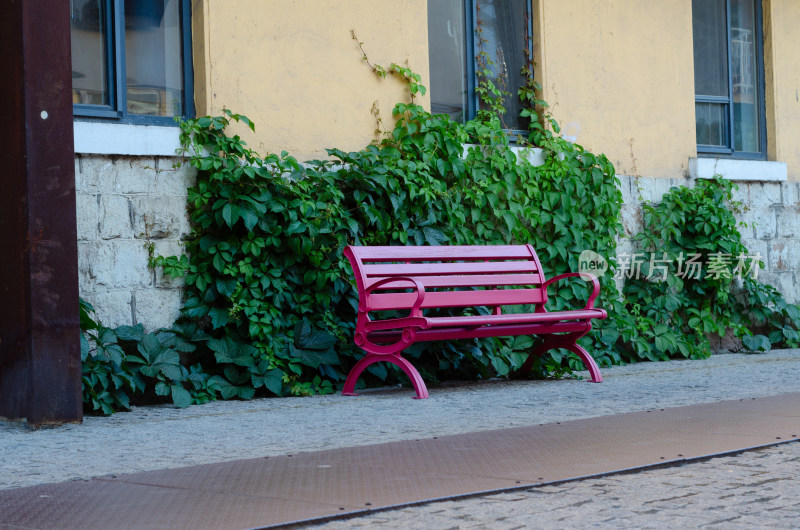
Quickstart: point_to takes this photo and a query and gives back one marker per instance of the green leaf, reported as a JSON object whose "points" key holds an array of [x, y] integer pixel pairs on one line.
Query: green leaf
{"points": [[756, 342], [230, 391], [229, 351], [130, 333], [230, 213], [272, 380], [307, 338], [181, 397], [85, 347], [85, 312], [313, 358], [226, 286], [219, 316], [433, 236], [500, 365]]}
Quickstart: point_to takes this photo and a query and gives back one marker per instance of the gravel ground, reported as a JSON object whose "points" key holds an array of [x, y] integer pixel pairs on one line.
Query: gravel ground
{"points": [[151, 438]]}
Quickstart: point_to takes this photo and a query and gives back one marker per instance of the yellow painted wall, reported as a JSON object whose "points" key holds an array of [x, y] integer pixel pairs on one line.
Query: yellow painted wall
{"points": [[618, 75], [292, 67], [782, 69]]}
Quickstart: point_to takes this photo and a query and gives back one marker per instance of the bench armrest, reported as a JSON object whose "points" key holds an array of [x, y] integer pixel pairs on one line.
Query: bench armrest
{"points": [[583, 275], [415, 309]]}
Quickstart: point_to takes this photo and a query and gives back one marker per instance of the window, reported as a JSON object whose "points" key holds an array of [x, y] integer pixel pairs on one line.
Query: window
{"points": [[131, 60], [729, 78], [505, 29]]}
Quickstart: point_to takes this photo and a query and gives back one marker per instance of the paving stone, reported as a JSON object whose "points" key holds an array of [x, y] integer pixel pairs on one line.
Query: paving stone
{"points": [[630, 194], [784, 282], [94, 174], [113, 308], [652, 189], [119, 264]]}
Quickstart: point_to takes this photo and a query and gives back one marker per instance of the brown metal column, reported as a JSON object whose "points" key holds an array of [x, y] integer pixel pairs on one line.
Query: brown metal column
{"points": [[40, 368]]}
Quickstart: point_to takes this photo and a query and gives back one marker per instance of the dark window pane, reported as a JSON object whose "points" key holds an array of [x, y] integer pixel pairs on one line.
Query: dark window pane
{"points": [[504, 25], [448, 58], [711, 123], [710, 33], [153, 57], [745, 77], [89, 68]]}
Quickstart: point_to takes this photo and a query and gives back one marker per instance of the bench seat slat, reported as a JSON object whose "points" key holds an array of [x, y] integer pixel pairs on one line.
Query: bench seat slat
{"points": [[447, 269], [515, 318], [488, 298], [500, 330], [477, 280], [467, 322], [425, 253]]}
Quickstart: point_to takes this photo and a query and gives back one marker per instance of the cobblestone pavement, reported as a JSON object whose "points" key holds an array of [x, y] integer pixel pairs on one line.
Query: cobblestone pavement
{"points": [[758, 489], [151, 438]]}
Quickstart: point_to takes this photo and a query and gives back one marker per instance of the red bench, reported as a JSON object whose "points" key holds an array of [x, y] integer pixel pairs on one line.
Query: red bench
{"points": [[413, 279]]}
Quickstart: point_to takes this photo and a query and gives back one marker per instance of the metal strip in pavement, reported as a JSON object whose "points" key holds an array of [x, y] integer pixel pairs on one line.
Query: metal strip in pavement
{"points": [[348, 481]]}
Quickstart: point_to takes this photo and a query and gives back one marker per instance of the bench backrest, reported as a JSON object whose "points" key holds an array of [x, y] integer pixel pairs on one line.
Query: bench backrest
{"points": [[503, 274]]}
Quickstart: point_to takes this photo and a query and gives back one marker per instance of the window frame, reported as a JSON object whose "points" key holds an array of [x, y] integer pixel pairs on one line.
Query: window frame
{"points": [[471, 43], [114, 39], [728, 151]]}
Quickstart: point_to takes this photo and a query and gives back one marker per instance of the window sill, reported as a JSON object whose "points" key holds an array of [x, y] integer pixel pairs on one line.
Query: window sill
{"points": [[752, 170], [125, 139]]}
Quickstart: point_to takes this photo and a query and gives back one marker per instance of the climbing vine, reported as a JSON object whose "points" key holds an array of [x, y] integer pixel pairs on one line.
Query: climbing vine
{"points": [[693, 279], [270, 300]]}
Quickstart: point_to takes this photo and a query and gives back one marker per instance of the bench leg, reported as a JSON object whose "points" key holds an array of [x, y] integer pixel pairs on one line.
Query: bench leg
{"points": [[568, 342], [588, 362], [407, 367]]}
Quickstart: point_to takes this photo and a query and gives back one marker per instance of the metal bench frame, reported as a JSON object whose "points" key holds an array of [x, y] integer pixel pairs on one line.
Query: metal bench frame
{"points": [[413, 279]]}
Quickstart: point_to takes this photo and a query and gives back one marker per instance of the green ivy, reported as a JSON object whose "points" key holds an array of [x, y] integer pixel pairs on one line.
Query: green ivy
{"points": [[265, 271], [270, 301], [123, 364], [695, 279]]}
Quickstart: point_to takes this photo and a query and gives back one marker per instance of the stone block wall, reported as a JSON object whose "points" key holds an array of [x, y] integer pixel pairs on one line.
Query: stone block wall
{"points": [[123, 205], [771, 220]]}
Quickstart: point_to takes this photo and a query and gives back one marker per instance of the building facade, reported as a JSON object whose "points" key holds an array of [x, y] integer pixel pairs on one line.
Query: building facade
{"points": [[670, 91]]}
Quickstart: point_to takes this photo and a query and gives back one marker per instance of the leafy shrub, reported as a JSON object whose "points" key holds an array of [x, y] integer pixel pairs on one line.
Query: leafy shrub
{"points": [[107, 378], [125, 365], [697, 279], [265, 272], [270, 304]]}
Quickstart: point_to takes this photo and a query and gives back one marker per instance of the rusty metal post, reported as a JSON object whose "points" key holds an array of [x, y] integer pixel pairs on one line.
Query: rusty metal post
{"points": [[40, 367]]}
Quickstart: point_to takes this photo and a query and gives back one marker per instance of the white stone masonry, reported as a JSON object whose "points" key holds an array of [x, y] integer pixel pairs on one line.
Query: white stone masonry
{"points": [[123, 205], [770, 224]]}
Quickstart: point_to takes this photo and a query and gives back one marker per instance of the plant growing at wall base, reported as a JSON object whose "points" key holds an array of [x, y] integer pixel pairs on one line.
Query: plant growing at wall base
{"points": [[125, 366], [695, 278], [265, 264]]}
